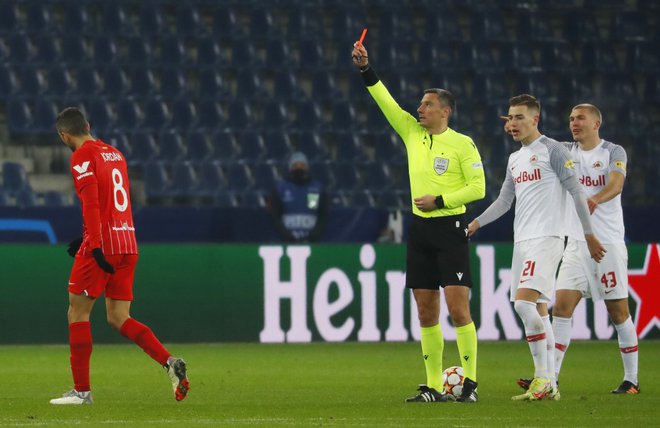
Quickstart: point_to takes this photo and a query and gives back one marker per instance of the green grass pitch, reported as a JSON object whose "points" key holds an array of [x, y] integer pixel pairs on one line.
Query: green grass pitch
{"points": [[348, 384]]}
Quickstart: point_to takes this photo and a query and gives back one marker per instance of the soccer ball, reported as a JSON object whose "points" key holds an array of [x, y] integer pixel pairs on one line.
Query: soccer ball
{"points": [[452, 381]]}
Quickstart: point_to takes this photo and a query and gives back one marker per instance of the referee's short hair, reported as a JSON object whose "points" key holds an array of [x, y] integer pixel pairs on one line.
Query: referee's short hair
{"points": [[525, 100], [72, 121], [446, 98]]}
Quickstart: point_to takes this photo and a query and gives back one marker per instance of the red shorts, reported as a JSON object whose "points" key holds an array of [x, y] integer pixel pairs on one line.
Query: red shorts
{"points": [[89, 279]]}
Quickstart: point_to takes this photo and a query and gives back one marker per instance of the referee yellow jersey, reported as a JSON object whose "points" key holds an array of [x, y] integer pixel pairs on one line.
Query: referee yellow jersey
{"points": [[446, 164]]}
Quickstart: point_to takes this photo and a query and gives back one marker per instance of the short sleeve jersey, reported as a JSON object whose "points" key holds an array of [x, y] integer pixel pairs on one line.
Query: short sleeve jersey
{"points": [[593, 168], [100, 178], [536, 173], [446, 164]]}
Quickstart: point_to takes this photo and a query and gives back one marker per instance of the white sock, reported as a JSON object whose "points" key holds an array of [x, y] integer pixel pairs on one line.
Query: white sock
{"points": [[550, 347], [562, 329], [535, 332], [628, 348]]}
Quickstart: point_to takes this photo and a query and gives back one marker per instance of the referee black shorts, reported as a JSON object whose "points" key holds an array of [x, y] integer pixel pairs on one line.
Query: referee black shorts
{"points": [[438, 253]]}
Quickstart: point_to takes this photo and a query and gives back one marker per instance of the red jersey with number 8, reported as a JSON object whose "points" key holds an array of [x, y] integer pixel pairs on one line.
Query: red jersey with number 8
{"points": [[100, 177]]}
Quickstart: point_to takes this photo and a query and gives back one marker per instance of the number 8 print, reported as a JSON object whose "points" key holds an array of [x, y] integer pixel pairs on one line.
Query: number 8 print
{"points": [[118, 181]]}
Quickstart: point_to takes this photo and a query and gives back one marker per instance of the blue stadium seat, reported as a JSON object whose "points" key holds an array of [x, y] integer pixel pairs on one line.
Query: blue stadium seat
{"points": [[390, 200], [642, 57], [303, 21], [239, 177], [171, 147], [115, 81], [211, 178], [210, 53], [173, 51], [349, 18], [8, 81], [211, 84], [477, 57], [88, 81], [253, 198], [156, 115], [139, 50], [323, 173], [519, 57], [311, 54], [76, 18], [491, 87], [198, 146], [619, 87], [9, 21], [53, 198], [226, 23], [74, 50], [19, 117], [21, 48], [14, 177], [443, 24], [558, 57], [312, 145], [581, 26], [488, 26], [279, 55], [344, 117], [26, 198], [5, 198], [45, 114], [156, 179], [105, 50], [184, 181], [38, 17], [396, 55], [454, 83], [262, 23], [225, 146], [184, 114], [582, 88], [248, 86], [33, 82], [599, 57], [362, 198], [347, 176], [47, 50], [150, 20], [144, 148], [252, 146], [388, 147], [536, 27], [244, 54], [143, 82], [287, 87], [537, 84], [129, 115], [226, 199], [652, 88], [173, 83], [240, 116], [309, 116], [266, 176], [114, 19], [188, 21], [276, 115], [120, 141], [349, 147], [629, 26], [279, 145], [325, 87], [210, 116], [60, 82], [396, 24]]}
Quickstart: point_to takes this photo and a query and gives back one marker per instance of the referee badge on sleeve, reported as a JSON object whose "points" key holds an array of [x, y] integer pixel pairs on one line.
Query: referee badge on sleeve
{"points": [[440, 165]]}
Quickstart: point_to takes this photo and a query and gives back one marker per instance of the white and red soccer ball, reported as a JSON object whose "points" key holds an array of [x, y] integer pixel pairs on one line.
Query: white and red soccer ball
{"points": [[452, 381]]}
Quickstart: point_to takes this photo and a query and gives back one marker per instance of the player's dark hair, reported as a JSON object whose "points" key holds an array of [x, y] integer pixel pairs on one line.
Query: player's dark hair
{"points": [[72, 121], [525, 100], [446, 98]]}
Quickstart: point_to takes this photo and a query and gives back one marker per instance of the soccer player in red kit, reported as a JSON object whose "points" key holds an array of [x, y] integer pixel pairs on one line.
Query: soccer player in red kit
{"points": [[106, 257]]}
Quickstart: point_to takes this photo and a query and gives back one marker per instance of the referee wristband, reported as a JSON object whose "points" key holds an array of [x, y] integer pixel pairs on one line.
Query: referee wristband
{"points": [[439, 202], [369, 75]]}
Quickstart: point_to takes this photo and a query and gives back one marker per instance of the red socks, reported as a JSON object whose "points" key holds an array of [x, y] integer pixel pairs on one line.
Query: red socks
{"points": [[145, 339], [80, 343]]}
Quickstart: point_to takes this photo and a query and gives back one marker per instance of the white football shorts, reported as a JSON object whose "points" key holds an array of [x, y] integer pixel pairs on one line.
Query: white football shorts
{"points": [[534, 265], [606, 280]]}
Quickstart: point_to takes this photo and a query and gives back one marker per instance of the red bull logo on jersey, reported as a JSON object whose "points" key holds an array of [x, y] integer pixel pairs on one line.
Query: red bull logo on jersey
{"points": [[593, 182], [526, 176], [597, 165], [533, 159]]}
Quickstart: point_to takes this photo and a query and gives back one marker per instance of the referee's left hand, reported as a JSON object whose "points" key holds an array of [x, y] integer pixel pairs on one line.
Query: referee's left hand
{"points": [[426, 203]]}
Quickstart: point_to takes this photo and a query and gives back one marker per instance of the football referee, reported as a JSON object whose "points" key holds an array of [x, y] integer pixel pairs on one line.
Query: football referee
{"points": [[445, 174]]}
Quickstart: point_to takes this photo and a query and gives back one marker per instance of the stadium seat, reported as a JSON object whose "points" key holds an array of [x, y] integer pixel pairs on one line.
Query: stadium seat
{"points": [[266, 176], [599, 57], [88, 82], [377, 176], [9, 21], [581, 26], [388, 147], [114, 19], [115, 81], [287, 87], [184, 114], [209, 53], [491, 88], [303, 21], [33, 82], [240, 116], [119, 141], [173, 52], [184, 181], [641, 57], [312, 56], [519, 57], [252, 146], [8, 81], [156, 115], [143, 82], [225, 199], [262, 24], [211, 84], [279, 55], [47, 50], [211, 117], [582, 88], [60, 82], [173, 83], [344, 117], [443, 24], [150, 20], [349, 18], [5, 198], [396, 24], [53, 198], [74, 50], [536, 27], [390, 200], [14, 177], [362, 198], [629, 26], [211, 178], [105, 50], [21, 49], [225, 146], [454, 83], [188, 21], [26, 198], [253, 198], [129, 115], [226, 23], [325, 87], [323, 173], [309, 116], [171, 147], [239, 177], [347, 176], [348, 147], [278, 146], [248, 86], [144, 147], [139, 50], [488, 26], [244, 55], [76, 19], [38, 18], [156, 180], [45, 114], [313, 146], [19, 117], [198, 146], [558, 57], [276, 115]]}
